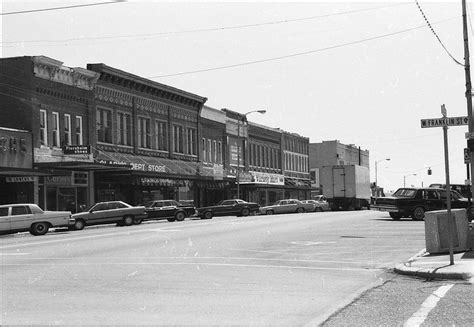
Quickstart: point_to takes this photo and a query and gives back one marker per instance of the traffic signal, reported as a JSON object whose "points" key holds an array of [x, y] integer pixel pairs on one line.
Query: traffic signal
{"points": [[429, 171]]}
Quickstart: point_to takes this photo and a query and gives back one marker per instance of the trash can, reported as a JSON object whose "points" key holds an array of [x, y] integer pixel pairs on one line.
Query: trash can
{"points": [[437, 227]]}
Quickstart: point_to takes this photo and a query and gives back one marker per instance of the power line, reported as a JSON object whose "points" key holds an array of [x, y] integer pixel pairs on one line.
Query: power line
{"points": [[436, 35], [297, 54], [60, 8], [212, 29]]}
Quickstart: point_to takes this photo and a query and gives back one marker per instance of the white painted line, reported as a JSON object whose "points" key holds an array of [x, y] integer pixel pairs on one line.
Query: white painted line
{"points": [[430, 303], [18, 253], [197, 264]]}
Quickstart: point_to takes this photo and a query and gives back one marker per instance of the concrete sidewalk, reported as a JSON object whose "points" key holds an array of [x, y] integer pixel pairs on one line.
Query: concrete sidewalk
{"points": [[437, 266]]}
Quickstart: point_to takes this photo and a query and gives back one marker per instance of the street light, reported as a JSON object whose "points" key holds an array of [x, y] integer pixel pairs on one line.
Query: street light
{"points": [[376, 185], [244, 116], [406, 177]]}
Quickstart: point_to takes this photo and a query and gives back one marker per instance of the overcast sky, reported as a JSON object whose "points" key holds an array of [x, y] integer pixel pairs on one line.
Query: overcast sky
{"points": [[363, 73]]}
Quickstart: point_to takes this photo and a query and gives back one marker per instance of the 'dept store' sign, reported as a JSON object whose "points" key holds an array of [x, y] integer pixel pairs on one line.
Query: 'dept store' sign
{"points": [[15, 149]]}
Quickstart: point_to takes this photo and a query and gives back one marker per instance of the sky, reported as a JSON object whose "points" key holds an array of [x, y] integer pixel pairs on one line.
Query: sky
{"points": [[362, 73]]}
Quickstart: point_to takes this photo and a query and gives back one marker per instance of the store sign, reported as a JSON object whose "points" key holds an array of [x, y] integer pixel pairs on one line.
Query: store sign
{"points": [[15, 149], [58, 180], [20, 179], [153, 181], [76, 149], [266, 178]]}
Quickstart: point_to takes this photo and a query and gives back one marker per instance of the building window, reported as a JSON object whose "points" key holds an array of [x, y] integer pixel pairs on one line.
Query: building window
{"points": [[209, 150], [203, 148], [79, 139], [161, 135], [67, 129], [124, 129], [104, 125], [43, 127], [192, 142], [55, 141], [214, 151], [219, 152], [178, 139], [144, 135]]}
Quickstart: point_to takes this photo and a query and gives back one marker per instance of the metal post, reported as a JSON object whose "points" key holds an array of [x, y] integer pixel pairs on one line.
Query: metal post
{"points": [[448, 190], [238, 158]]}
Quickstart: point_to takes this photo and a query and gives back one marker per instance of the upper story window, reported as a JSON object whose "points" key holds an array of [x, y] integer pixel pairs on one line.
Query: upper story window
{"points": [[191, 142], [67, 129], [203, 149], [124, 129], [178, 139], [79, 132], [144, 133], [55, 140], [43, 127], [219, 152], [104, 125], [161, 135]]}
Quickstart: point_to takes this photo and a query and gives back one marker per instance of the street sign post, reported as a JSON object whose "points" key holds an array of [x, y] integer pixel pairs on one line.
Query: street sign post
{"points": [[444, 122]]}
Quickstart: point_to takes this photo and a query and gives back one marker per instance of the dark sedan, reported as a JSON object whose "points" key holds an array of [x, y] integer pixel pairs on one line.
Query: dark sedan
{"points": [[233, 207], [414, 202], [168, 209]]}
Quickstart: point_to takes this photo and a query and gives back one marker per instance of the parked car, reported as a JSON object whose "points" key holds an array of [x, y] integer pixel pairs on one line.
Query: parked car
{"points": [[109, 212], [414, 202], [30, 217], [318, 205], [286, 206], [235, 207], [461, 188], [168, 209]]}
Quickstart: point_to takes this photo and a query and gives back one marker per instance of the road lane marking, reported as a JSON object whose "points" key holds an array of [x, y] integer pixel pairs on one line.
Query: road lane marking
{"points": [[197, 264], [18, 253], [72, 238], [430, 303]]}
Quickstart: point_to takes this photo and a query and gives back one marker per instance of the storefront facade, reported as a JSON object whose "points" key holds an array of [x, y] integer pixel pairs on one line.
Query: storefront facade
{"points": [[17, 177], [147, 134]]}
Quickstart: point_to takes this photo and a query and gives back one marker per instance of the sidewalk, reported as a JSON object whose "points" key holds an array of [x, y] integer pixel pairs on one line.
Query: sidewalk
{"points": [[436, 266]]}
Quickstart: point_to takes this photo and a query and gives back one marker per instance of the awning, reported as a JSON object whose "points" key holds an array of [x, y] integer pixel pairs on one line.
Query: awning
{"points": [[148, 165]]}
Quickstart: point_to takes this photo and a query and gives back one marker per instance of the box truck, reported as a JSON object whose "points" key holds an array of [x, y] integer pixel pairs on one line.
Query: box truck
{"points": [[346, 187]]}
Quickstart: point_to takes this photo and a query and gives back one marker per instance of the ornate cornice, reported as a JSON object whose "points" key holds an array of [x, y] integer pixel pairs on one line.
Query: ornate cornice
{"points": [[53, 70]]}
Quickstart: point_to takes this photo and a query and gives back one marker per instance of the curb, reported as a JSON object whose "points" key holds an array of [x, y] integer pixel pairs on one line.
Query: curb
{"points": [[431, 273]]}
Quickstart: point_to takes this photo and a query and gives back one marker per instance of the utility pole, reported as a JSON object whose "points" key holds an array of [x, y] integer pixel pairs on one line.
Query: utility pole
{"points": [[467, 72]]}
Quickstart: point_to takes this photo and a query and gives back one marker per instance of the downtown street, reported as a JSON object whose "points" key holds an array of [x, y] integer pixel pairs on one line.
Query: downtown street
{"points": [[292, 270]]}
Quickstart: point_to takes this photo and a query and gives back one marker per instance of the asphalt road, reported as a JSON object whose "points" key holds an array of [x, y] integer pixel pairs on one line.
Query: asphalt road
{"points": [[286, 270]]}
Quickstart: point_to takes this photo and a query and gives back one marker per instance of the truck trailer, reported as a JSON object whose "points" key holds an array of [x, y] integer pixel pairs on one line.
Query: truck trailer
{"points": [[346, 187]]}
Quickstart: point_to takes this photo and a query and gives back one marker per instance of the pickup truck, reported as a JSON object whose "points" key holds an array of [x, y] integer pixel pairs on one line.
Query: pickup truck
{"points": [[414, 202], [30, 217]]}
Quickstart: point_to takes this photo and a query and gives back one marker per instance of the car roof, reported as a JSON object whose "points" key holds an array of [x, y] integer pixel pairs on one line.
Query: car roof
{"points": [[18, 204]]}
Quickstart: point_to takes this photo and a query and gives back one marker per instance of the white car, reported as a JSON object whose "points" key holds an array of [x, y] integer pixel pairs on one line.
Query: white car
{"points": [[30, 217], [318, 204]]}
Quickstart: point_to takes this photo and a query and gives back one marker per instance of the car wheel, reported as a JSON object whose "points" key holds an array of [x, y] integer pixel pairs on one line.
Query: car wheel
{"points": [[137, 221], [207, 215], [39, 229], [171, 219], [79, 224], [269, 212], [418, 213], [180, 216], [245, 212], [395, 215], [128, 220], [300, 210]]}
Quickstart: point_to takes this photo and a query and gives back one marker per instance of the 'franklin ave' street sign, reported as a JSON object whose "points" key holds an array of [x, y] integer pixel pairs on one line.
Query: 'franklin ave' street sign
{"points": [[445, 121]]}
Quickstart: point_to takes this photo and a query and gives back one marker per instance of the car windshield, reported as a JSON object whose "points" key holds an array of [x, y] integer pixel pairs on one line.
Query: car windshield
{"points": [[405, 193]]}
